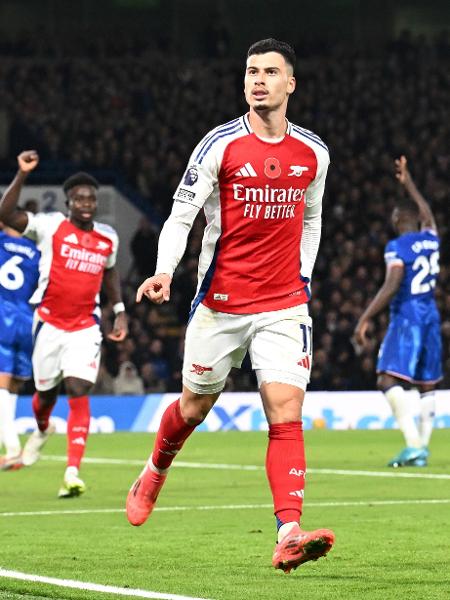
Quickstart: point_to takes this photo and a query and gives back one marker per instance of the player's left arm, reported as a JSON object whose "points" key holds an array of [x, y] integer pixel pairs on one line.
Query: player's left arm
{"points": [[312, 217], [111, 287], [402, 173], [391, 285]]}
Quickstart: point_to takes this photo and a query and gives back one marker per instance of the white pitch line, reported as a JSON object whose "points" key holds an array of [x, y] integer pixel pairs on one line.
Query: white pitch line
{"points": [[394, 473], [227, 507], [234, 467], [141, 463], [92, 587]]}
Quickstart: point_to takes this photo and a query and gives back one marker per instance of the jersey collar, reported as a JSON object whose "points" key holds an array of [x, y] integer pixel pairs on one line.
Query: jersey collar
{"points": [[247, 125]]}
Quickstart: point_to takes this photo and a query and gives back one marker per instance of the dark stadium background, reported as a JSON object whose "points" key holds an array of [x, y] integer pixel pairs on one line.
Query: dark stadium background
{"points": [[125, 88]]}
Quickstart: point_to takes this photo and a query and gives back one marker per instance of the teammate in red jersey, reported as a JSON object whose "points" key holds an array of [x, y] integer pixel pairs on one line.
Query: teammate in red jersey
{"points": [[260, 181], [77, 256]]}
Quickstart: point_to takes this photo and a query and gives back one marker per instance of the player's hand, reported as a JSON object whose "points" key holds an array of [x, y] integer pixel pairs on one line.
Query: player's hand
{"points": [[360, 334], [28, 160], [120, 328], [156, 289], [401, 169]]}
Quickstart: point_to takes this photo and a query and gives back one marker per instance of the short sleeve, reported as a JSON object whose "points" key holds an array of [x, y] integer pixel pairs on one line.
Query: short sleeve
{"points": [[42, 225], [315, 190], [201, 174], [392, 254]]}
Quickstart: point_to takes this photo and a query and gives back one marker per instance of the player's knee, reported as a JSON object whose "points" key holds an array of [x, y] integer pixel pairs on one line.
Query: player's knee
{"points": [[282, 403], [381, 383], [385, 381], [285, 412], [426, 387], [77, 387], [195, 407], [47, 397]]}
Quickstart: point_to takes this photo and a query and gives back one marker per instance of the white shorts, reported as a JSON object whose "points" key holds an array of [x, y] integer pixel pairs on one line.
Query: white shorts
{"points": [[279, 343], [58, 354]]}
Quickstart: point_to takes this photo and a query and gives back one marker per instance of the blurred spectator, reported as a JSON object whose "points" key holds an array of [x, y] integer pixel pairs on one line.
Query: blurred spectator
{"points": [[31, 205], [128, 380], [104, 385], [153, 384], [144, 247]]}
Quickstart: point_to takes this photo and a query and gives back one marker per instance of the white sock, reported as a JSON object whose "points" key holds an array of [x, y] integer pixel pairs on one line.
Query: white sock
{"points": [[426, 419], [403, 412], [8, 432], [285, 529], [154, 468], [71, 472]]}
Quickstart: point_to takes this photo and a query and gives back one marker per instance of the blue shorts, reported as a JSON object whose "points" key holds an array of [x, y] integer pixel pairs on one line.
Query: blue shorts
{"points": [[16, 344], [412, 351]]}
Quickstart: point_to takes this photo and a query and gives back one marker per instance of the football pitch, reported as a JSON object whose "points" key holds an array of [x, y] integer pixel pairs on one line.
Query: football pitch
{"points": [[213, 532]]}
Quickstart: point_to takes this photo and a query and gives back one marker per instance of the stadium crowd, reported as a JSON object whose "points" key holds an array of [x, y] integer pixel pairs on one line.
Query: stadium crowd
{"points": [[138, 111]]}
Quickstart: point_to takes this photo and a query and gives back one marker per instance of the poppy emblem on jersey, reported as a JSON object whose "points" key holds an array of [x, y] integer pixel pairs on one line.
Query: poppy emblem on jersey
{"points": [[272, 168], [191, 176], [199, 370], [86, 240]]}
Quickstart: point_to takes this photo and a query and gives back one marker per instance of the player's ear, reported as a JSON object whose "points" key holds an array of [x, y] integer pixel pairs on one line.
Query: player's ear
{"points": [[291, 85]]}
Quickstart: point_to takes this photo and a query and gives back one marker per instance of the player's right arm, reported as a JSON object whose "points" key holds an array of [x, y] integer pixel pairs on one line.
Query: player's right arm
{"points": [[194, 189], [391, 285], [404, 176], [9, 213], [171, 247]]}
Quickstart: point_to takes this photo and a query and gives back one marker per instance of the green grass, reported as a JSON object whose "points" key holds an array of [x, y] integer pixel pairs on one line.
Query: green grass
{"points": [[382, 551]]}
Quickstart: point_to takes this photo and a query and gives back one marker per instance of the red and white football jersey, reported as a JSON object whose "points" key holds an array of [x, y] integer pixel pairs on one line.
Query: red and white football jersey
{"points": [[253, 192], [71, 269]]}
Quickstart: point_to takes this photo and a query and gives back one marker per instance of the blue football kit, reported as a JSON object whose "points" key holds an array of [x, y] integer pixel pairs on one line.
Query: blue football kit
{"points": [[19, 274], [412, 346]]}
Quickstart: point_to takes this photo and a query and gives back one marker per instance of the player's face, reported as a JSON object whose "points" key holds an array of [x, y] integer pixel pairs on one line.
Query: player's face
{"points": [[269, 81], [82, 203]]}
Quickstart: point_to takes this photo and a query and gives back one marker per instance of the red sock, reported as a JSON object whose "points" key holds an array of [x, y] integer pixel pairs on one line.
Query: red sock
{"points": [[77, 429], [42, 412], [285, 467], [172, 433]]}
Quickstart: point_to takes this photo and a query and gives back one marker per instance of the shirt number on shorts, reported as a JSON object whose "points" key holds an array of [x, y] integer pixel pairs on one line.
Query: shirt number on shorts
{"points": [[307, 338]]}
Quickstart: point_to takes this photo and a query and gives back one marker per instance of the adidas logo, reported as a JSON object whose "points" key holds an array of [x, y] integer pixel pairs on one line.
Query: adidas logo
{"points": [[246, 171], [298, 493], [79, 441], [72, 238]]}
